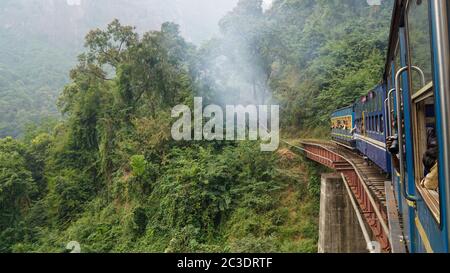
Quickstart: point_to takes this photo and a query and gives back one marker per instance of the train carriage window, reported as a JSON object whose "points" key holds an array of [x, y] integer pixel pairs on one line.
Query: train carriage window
{"points": [[397, 59], [376, 129], [374, 123], [423, 106], [419, 42], [381, 124], [380, 103], [397, 66], [378, 123], [363, 123], [366, 125], [390, 85], [374, 126]]}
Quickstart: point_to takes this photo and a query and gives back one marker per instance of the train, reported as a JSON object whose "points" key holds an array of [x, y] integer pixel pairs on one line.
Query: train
{"points": [[402, 125]]}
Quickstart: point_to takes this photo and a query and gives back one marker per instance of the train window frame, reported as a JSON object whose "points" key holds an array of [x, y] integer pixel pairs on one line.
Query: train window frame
{"points": [[397, 65], [418, 101], [431, 199], [413, 90], [371, 123], [374, 125], [389, 75]]}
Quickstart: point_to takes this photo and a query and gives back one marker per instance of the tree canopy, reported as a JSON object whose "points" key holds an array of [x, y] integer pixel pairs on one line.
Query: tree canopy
{"points": [[110, 176]]}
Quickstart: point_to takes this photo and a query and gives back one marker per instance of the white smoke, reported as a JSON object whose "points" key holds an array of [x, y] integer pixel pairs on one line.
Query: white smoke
{"points": [[267, 4], [73, 2]]}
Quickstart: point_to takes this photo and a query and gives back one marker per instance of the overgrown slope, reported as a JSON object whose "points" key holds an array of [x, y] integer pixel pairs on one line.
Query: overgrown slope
{"points": [[111, 177]]}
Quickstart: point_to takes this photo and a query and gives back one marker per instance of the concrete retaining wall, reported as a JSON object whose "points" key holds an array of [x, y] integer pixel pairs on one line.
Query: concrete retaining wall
{"points": [[339, 230]]}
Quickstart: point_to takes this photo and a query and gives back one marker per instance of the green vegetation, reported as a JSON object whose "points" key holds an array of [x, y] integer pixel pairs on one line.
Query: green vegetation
{"points": [[325, 55], [40, 41], [30, 77], [109, 174], [110, 177]]}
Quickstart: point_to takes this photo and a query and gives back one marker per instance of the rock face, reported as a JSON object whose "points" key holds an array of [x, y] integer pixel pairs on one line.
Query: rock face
{"points": [[339, 230]]}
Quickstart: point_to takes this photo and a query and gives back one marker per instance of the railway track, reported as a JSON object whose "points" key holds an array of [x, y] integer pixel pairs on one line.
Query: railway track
{"points": [[366, 180], [372, 175]]}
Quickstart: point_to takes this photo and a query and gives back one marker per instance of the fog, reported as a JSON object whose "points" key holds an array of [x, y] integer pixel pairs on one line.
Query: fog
{"points": [[234, 62], [69, 20], [41, 39]]}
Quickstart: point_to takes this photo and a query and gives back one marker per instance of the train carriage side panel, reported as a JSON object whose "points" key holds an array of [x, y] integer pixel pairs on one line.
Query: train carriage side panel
{"points": [[342, 123], [370, 132]]}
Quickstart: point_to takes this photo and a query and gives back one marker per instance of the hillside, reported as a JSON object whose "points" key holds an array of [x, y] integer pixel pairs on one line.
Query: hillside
{"points": [[111, 177], [41, 39]]}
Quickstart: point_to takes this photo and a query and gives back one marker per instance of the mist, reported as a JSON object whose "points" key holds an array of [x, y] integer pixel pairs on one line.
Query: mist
{"points": [[69, 20], [41, 39], [234, 61]]}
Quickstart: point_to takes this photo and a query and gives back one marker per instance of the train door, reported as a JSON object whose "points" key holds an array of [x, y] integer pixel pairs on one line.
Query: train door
{"points": [[396, 63], [417, 121]]}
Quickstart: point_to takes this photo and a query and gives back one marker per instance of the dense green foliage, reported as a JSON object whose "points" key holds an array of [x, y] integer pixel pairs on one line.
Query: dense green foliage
{"points": [[40, 40], [325, 55], [311, 57], [110, 177], [30, 77], [109, 174]]}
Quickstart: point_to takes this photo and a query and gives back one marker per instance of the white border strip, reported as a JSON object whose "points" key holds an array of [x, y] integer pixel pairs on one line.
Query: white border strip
{"points": [[358, 213], [378, 144]]}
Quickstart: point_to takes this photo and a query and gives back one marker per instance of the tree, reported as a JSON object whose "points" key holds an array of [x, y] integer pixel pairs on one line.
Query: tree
{"points": [[17, 189]]}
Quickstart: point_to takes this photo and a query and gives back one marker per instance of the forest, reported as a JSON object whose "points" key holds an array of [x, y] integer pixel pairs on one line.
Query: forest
{"points": [[106, 172]]}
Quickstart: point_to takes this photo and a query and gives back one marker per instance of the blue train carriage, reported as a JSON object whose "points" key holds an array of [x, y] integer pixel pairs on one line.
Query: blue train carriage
{"points": [[370, 133], [418, 81], [342, 124]]}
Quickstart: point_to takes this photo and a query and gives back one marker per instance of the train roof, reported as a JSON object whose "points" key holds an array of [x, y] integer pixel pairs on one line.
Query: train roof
{"points": [[336, 112]]}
